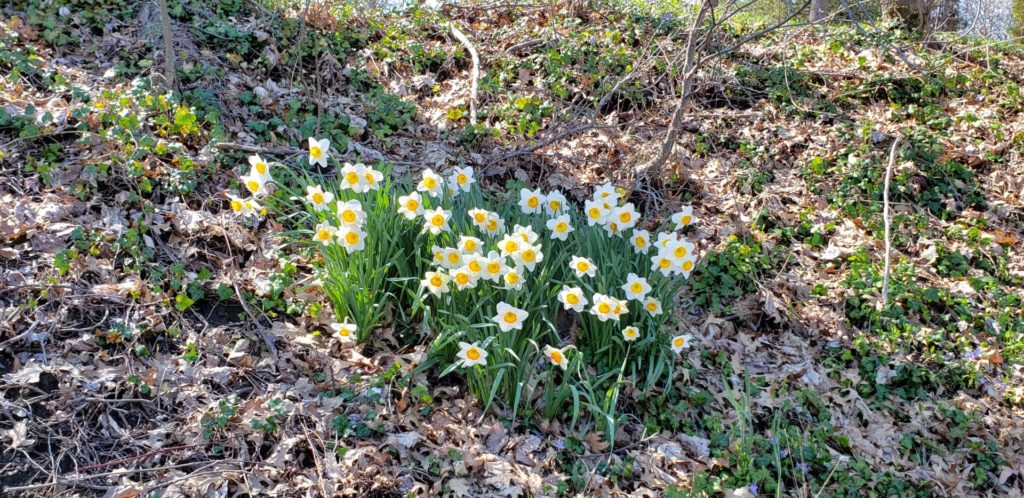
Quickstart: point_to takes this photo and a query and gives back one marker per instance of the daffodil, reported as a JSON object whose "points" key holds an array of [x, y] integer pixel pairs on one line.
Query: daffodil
{"points": [[596, 213], [630, 333], [479, 217], [470, 245], [625, 216], [554, 202], [471, 354], [510, 244], [664, 239], [431, 183], [318, 150], [509, 317], [373, 178], [621, 308], [252, 208], [353, 177], [526, 233], [438, 253], [318, 198], [641, 241], [653, 306], [611, 227], [556, 357], [256, 185], [324, 233], [461, 179], [436, 282], [451, 257], [680, 249], [681, 342], [606, 194], [662, 263], [345, 332], [259, 168], [493, 266], [410, 206], [244, 207], [560, 227], [464, 278], [582, 266], [685, 266], [475, 263], [683, 218], [636, 287], [513, 278], [436, 221], [494, 224], [528, 256], [572, 298], [352, 238], [350, 213], [604, 307], [531, 201]]}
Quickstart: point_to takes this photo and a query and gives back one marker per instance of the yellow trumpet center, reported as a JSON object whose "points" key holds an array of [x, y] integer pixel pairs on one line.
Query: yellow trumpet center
{"points": [[626, 217], [652, 306], [462, 278], [640, 242], [594, 213], [454, 258], [572, 299], [510, 317], [236, 206], [664, 263], [253, 186], [352, 238], [680, 251], [493, 267], [352, 178], [679, 342], [636, 287], [412, 205], [556, 356], [473, 354], [529, 256], [604, 308], [554, 205], [435, 281], [430, 183], [318, 198], [687, 265], [561, 226], [533, 202], [437, 220], [315, 151], [349, 216], [461, 179], [261, 168], [474, 265], [583, 266]]}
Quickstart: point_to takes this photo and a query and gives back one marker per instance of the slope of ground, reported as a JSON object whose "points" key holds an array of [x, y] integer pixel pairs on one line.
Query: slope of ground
{"points": [[150, 342]]}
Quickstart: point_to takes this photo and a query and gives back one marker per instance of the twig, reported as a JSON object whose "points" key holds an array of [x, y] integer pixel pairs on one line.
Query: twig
{"points": [[887, 221], [544, 143], [275, 151], [475, 75]]}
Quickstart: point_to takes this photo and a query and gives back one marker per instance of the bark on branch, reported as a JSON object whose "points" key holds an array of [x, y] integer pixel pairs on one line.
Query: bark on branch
{"points": [[653, 168]]}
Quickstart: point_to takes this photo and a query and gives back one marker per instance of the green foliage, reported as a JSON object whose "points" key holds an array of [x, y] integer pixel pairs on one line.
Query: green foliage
{"points": [[729, 274]]}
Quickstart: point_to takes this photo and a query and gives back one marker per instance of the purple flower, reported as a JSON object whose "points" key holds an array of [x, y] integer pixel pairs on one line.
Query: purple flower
{"points": [[783, 453], [753, 489], [559, 444], [973, 355], [593, 40], [803, 468]]}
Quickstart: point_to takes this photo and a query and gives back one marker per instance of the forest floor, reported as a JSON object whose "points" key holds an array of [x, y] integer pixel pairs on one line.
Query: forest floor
{"points": [[153, 345]]}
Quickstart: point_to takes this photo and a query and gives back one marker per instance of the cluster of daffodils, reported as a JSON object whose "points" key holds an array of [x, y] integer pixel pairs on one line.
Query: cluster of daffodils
{"points": [[516, 252], [345, 227], [256, 183]]}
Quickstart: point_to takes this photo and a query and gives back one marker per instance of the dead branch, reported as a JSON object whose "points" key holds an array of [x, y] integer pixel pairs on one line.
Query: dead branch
{"points": [[652, 168], [886, 219], [475, 75]]}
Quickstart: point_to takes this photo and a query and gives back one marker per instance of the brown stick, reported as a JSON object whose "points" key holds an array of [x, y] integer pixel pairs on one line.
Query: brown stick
{"points": [[653, 167]]}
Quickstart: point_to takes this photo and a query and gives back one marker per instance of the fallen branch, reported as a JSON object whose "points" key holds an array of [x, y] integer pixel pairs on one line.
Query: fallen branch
{"points": [[887, 221], [475, 75]]}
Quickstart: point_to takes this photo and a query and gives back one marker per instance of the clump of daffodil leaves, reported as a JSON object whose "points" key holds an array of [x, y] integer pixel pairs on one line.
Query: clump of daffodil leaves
{"points": [[540, 304]]}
